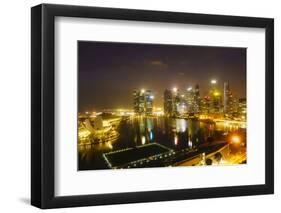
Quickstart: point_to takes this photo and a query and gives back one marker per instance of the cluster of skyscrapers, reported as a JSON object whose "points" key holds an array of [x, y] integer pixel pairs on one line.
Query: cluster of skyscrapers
{"points": [[189, 102], [143, 102], [176, 103]]}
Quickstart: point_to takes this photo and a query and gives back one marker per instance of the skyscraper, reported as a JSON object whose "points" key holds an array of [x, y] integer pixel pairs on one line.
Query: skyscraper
{"points": [[197, 101], [215, 95], [242, 108], [230, 103], [190, 100], [172, 100], [193, 99], [205, 104], [143, 101], [226, 97]]}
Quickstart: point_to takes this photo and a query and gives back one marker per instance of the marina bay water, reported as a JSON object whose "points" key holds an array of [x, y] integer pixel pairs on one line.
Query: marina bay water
{"points": [[173, 133]]}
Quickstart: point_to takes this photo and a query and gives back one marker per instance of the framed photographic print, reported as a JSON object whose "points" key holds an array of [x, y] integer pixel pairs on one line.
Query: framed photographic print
{"points": [[139, 106]]}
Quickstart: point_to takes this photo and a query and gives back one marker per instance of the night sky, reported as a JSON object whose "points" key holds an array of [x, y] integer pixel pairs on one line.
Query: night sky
{"points": [[109, 72]]}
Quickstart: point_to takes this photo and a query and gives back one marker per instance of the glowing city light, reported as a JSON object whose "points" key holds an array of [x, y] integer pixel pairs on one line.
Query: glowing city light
{"points": [[213, 81], [179, 118], [102, 128], [84, 133], [190, 143], [110, 146], [142, 140], [216, 93], [235, 139], [181, 125], [151, 135], [176, 140]]}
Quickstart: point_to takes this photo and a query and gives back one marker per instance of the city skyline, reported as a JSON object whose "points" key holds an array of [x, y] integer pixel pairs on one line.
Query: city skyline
{"points": [[110, 72], [189, 102], [152, 105]]}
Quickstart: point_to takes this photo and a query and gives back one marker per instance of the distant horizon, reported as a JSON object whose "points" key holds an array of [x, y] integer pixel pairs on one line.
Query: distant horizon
{"points": [[109, 72]]}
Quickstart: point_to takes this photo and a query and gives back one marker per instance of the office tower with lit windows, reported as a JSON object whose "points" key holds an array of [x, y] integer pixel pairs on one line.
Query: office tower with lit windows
{"points": [[172, 101], [190, 100], [193, 100], [143, 102], [216, 99], [205, 104], [228, 100], [182, 105], [197, 99], [168, 102], [242, 108], [216, 103], [235, 106], [181, 108], [232, 106], [226, 94]]}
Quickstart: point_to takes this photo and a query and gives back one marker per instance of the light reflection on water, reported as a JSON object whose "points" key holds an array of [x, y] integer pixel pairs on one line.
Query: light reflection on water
{"points": [[227, 126], [174, 133], [170, 132]]}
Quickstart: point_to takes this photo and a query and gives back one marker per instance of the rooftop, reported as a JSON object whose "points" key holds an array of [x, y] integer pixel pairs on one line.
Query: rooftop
{"points": [[121, 158]]}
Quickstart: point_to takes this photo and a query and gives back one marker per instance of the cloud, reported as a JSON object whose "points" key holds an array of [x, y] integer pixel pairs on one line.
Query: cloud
{"points": [[157, 63]]}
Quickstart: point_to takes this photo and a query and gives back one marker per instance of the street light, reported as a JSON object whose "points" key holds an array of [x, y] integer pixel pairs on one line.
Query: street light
{"points": [[175, 89]]}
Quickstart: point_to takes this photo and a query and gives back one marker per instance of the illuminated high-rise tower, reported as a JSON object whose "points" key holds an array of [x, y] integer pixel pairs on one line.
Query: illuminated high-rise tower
{"points": [[143, 101], [229, 102], [242, 108], [190, 99], [168, 102], [172, 101], [197, 100], [216, 102], [226, 97]]}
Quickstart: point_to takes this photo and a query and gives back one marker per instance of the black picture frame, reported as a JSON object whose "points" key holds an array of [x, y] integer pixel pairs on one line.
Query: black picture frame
{"points": [[43, 111]]}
